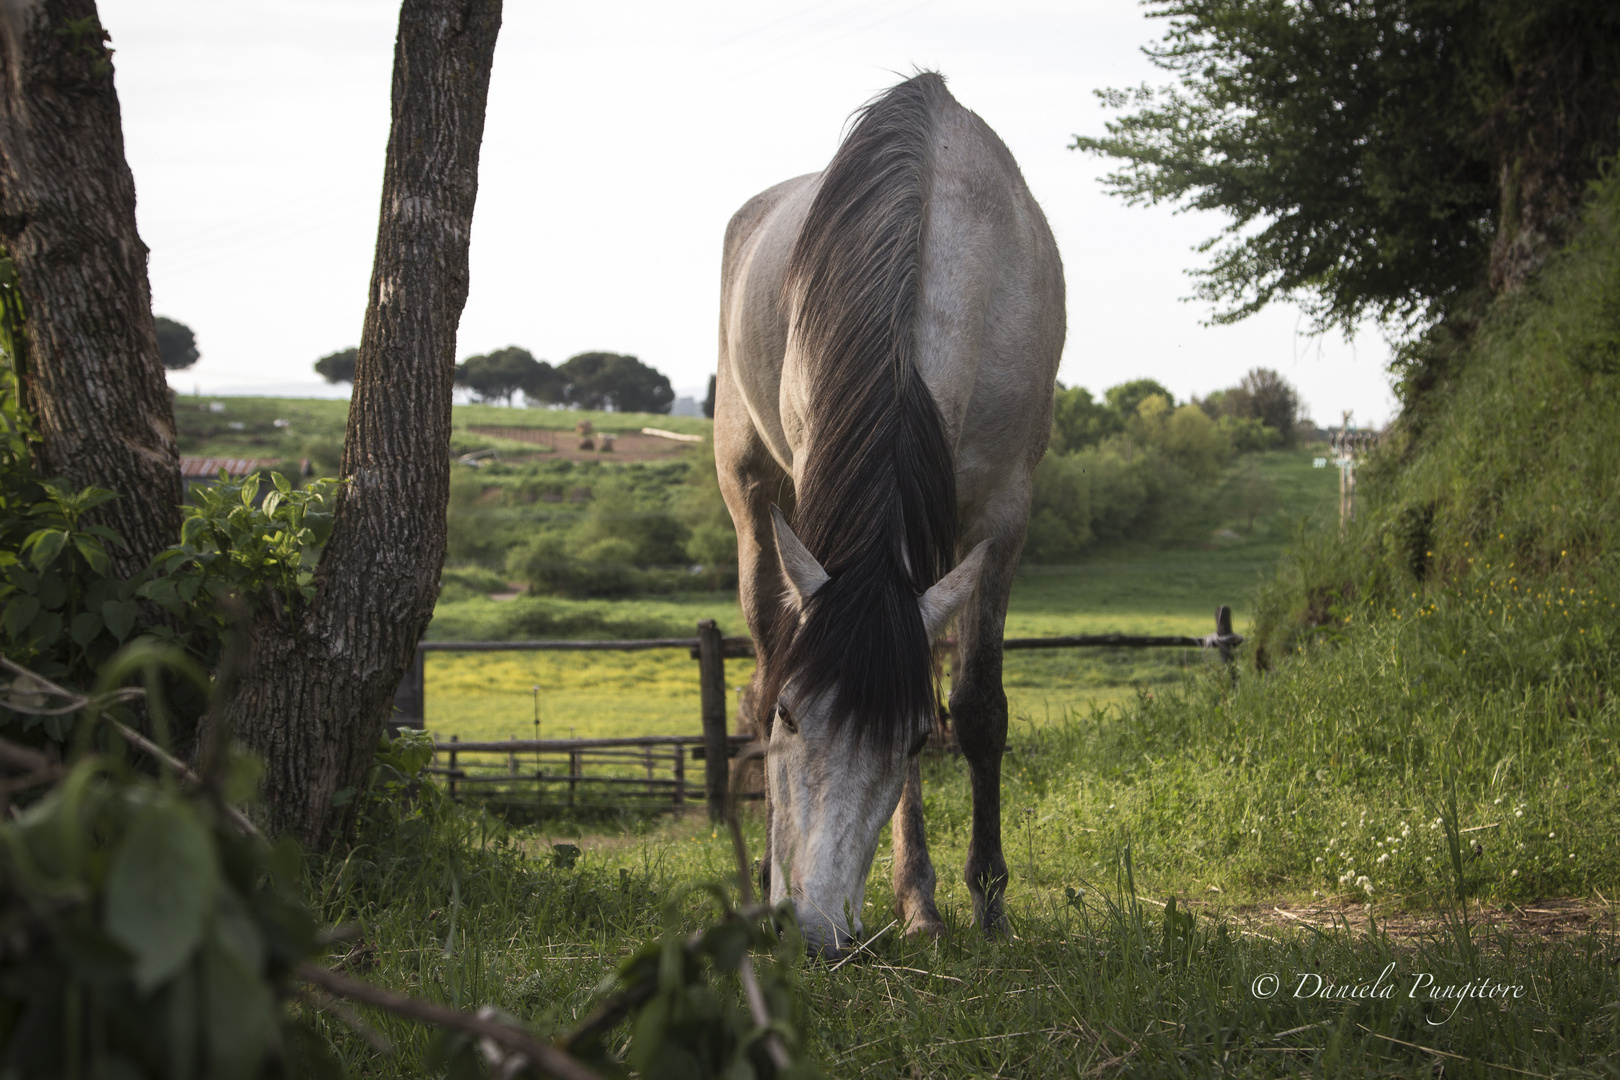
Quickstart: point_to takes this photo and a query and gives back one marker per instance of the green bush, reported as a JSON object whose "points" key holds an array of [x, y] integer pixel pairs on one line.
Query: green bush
{"points": [[467, 582], [1138, 468]]}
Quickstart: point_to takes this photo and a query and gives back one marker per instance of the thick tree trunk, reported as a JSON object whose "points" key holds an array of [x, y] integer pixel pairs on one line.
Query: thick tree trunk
{"points": [[67, 216], [316, 693], [1553, 128]]}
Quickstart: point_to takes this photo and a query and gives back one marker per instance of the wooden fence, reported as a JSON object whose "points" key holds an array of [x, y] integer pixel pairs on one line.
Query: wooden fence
{"points": [[652, 770]]}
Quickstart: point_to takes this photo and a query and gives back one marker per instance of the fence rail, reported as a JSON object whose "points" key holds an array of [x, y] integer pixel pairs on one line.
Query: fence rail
{"points": [[711, 650], [519, 766]]}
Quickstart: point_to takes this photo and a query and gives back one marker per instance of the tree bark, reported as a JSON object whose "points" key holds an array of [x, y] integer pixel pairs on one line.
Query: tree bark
{"points": [[90, 368], [317, 690], [1552, 128]]}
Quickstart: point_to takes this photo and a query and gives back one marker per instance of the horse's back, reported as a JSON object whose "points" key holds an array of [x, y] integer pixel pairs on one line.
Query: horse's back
{"points": [[990, 322]]}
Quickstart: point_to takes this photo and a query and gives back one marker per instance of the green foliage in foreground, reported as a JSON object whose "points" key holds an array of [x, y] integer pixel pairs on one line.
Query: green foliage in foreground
{"points": [[149, 931]]}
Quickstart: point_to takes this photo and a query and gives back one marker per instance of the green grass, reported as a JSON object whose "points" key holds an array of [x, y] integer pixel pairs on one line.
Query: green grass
{"points": [[1433, 732], [1096, 978], [1133, 589], [317, 423]]}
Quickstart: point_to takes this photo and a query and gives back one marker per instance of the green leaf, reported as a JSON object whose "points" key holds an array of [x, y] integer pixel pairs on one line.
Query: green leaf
{"points": [[86, 625], [53, 590], [182, 1025], [46, 628], [47, 544], [160, 890], [239, 1011], [193, 530], [726, 943], [90, 498], [281, 482], [93, 552], [20, 611], [119, 616]]}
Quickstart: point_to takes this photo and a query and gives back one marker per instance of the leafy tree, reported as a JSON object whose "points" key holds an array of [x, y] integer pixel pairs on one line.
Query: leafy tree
{"points": [[177, 345], [1126, 398], [1380, 159], [1274, 402], [544, 384], [339, 366], [498, 375], [598, 380], [1262, 399], [1079, 421]]}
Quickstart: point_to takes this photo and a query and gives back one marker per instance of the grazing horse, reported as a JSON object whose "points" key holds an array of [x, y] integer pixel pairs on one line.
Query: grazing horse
{"points": [[890, 331]]}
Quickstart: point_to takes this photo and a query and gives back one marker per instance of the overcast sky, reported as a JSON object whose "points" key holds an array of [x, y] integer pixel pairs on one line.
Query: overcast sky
{"points": [[620, 138]]}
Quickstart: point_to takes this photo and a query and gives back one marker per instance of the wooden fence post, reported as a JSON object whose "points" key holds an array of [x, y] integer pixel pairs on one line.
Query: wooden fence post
{"points": [[1223, 632], [680, 773], [712, 682], [453, 738]]}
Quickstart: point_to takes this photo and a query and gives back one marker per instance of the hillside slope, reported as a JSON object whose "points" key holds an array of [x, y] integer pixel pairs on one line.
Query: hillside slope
{"points": [[1448, 663]]}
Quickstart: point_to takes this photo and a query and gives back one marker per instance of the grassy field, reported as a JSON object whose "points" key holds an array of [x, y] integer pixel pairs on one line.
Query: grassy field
{"points": [[1202, 873], [1389, 849], [247, 427], [1122, 958], [1133, 590]]}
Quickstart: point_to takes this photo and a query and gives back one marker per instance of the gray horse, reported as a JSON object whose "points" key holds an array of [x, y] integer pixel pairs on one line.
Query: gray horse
{"points": [[890, 331]]}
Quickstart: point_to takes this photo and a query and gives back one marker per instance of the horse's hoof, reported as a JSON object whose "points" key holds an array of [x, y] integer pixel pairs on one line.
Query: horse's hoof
{"points": [[934, 928]]}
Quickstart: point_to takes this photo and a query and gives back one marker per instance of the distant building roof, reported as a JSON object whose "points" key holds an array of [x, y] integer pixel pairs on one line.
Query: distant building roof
{"points": [[207, 468]]}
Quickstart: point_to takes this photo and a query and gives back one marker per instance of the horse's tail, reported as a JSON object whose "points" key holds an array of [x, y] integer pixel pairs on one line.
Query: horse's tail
{"points": [[876, 500]]}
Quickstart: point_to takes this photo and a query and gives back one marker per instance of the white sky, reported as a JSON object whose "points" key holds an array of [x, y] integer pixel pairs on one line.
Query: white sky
{"points": [[620, 138]]}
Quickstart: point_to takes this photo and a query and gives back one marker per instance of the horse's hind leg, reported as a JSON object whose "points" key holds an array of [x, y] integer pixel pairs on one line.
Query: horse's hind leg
{"points": [[979, 715], [913, 870]]}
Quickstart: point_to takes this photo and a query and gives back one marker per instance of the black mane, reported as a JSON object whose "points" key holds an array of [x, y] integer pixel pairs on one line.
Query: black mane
{"points": [[876, 504]]}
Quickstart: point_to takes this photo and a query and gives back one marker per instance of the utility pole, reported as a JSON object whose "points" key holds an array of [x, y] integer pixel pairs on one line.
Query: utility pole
{"points": [[1350, 445]]}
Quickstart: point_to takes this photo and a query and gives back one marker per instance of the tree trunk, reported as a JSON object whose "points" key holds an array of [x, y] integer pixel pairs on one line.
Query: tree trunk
{"points": [[317, 691], [90, 368], [1553, 127]]}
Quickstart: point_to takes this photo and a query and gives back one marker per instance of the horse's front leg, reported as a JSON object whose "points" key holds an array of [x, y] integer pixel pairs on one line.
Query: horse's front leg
{"points": [[979, 714], [913, 870]]}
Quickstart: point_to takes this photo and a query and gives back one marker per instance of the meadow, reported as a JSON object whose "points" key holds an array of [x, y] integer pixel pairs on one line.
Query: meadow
{"points": [[1203, 871], [288, 429], [1132, 589], [1163, 866]]}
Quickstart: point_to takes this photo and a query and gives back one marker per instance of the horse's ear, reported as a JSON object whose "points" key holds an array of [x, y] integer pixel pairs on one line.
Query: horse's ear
{"points": [[804, 574], [951, 591]]}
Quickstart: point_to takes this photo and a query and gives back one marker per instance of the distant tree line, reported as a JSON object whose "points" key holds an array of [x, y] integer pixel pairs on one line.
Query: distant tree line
{"points": [[1136, 465], [592, 380]]}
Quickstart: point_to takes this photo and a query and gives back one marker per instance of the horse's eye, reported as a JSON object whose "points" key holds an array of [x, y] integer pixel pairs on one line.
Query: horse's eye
{"points": [[786, 718]]}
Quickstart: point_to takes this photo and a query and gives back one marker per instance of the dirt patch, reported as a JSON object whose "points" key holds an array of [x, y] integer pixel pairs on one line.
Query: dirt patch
{"points": [[564, 445], [1547, 920]]}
